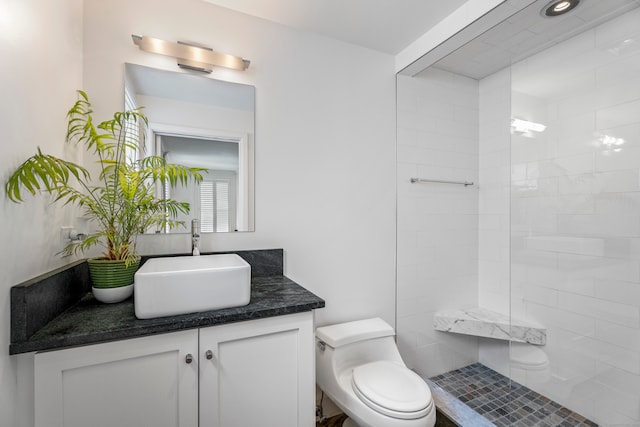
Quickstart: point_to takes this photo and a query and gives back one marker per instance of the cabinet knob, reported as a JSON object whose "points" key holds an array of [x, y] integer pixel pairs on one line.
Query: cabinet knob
{"points": [[189, 358], [209, 354]]}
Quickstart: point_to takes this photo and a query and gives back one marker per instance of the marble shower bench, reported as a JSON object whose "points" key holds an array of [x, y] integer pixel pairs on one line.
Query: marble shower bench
{"points": [[481, 322]]}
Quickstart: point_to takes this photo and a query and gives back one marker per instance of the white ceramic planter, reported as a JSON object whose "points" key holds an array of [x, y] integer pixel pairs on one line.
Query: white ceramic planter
{"points": [[111, 295]]}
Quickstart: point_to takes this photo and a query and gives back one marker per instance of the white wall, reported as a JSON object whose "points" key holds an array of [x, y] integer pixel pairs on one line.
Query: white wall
{"points": [[437, 223], [41, 47], [325, 140]]}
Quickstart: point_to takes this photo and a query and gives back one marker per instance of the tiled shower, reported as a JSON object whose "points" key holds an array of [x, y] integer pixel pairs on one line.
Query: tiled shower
{"points": [[550, 230]]}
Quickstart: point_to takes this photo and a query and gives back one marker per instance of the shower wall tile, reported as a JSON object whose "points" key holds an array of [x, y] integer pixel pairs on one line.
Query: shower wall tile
{"points": [[622, 181], [576, 184], [582, 325], [629, 158], [618, 291], [579, 105], [617, 335], [612, 34], [620, 314], [575, 204], [620, 382], [617, 115], [618, 91], [437, 254]]}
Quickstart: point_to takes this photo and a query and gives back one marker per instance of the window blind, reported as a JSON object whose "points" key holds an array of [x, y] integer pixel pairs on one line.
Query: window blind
{"points": [[206, 206], [131, 127], [222, 206]]}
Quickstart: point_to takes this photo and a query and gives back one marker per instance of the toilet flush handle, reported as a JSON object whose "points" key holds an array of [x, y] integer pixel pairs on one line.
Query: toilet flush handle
{"points": [[321, 345]]}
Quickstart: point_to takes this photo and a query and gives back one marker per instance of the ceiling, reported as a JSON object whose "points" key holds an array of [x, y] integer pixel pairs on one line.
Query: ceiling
{"points": [[387, 26], [390, 26], [526, 33]]}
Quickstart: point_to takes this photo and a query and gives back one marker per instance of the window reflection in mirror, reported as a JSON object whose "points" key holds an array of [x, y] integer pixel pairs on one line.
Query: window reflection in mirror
{"points": [[201, 122]]}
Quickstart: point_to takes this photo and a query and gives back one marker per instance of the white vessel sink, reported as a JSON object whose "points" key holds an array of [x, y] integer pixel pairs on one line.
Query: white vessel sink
{"points": [[178, 285]]}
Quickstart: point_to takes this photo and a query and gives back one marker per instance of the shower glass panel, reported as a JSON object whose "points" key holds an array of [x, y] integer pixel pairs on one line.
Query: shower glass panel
{"points": [[543, 115], [575, 220]]}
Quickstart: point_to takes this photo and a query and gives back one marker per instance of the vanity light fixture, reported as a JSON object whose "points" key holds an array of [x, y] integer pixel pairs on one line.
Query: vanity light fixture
{"points": [[559, 7], [191, 56]]}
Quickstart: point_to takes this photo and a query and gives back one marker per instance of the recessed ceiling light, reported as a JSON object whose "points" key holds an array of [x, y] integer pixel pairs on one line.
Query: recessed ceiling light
{"points": [[558, 7]]}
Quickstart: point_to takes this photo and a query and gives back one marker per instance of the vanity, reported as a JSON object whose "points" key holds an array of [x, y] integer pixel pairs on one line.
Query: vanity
{"points": [[84, 363]]}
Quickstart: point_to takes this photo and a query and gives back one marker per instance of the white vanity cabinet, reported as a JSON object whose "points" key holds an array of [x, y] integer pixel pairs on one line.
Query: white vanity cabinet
{"points": [[137, 382], [258, 373], [249, 373]]}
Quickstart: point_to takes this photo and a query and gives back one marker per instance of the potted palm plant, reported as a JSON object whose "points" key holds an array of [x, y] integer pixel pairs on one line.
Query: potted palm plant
{"points": [[121, 202]]}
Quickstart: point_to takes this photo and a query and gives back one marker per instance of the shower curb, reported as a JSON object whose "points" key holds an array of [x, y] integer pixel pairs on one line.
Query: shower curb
{"points": [[452, 412]]}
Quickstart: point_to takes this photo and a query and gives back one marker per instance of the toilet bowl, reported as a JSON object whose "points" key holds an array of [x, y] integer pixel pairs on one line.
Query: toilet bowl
{"points": [[359, 367], [529, 364]]}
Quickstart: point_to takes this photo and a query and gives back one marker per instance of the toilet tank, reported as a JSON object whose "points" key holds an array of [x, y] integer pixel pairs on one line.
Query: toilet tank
{"points": [[346, 333], [346, 345]]}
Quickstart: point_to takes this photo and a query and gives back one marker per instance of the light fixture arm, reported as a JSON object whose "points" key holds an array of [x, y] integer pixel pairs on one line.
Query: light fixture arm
{"points": [[189, 55]]}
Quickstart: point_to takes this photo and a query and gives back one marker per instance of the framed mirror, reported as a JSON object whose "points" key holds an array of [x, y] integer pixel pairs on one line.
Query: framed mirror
{"points": [[201, 122]]}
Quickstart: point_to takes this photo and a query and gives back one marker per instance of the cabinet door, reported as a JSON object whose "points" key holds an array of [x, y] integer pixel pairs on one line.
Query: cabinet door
{"points": [[260, 373], [142, 382]]}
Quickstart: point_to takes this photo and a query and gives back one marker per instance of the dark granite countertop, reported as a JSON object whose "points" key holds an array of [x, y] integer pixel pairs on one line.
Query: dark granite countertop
{"points": [[90, 321], [56, 310]]}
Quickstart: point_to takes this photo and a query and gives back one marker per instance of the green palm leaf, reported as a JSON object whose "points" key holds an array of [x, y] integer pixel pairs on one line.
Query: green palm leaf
{"points": [[122, 201]]}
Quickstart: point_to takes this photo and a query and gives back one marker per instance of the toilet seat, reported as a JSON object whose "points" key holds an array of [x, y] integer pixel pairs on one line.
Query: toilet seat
{"points": [[392, 390]]}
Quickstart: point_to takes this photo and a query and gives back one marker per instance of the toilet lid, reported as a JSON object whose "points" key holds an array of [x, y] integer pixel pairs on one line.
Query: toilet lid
{"points": [[392, 389]]}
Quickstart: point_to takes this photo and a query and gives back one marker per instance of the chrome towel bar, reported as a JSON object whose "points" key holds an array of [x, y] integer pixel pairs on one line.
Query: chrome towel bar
{"points": [[465, 183]]}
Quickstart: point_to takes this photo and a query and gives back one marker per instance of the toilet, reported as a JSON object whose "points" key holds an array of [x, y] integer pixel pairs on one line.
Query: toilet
{"points": [[359, 367]]}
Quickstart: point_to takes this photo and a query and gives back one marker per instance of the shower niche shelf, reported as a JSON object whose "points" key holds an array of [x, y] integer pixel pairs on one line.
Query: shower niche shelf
{"points": [[481, 322]]}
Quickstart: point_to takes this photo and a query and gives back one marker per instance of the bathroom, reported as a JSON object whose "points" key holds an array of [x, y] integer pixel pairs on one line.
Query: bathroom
{"points": [[315, 97]]}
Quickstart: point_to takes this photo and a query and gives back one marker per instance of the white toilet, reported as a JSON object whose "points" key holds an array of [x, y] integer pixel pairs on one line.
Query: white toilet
{"points": [[359, 367]]}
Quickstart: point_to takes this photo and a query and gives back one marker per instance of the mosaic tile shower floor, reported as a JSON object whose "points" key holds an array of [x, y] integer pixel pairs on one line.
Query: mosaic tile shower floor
{"points": [[504, 402]]}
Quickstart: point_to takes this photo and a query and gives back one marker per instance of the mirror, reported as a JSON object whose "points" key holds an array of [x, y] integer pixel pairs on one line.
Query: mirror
{"points": [[201, 122]]}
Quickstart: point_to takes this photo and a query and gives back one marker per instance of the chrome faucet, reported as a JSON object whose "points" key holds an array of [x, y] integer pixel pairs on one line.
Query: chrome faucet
{"points": [[195, 237]]}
